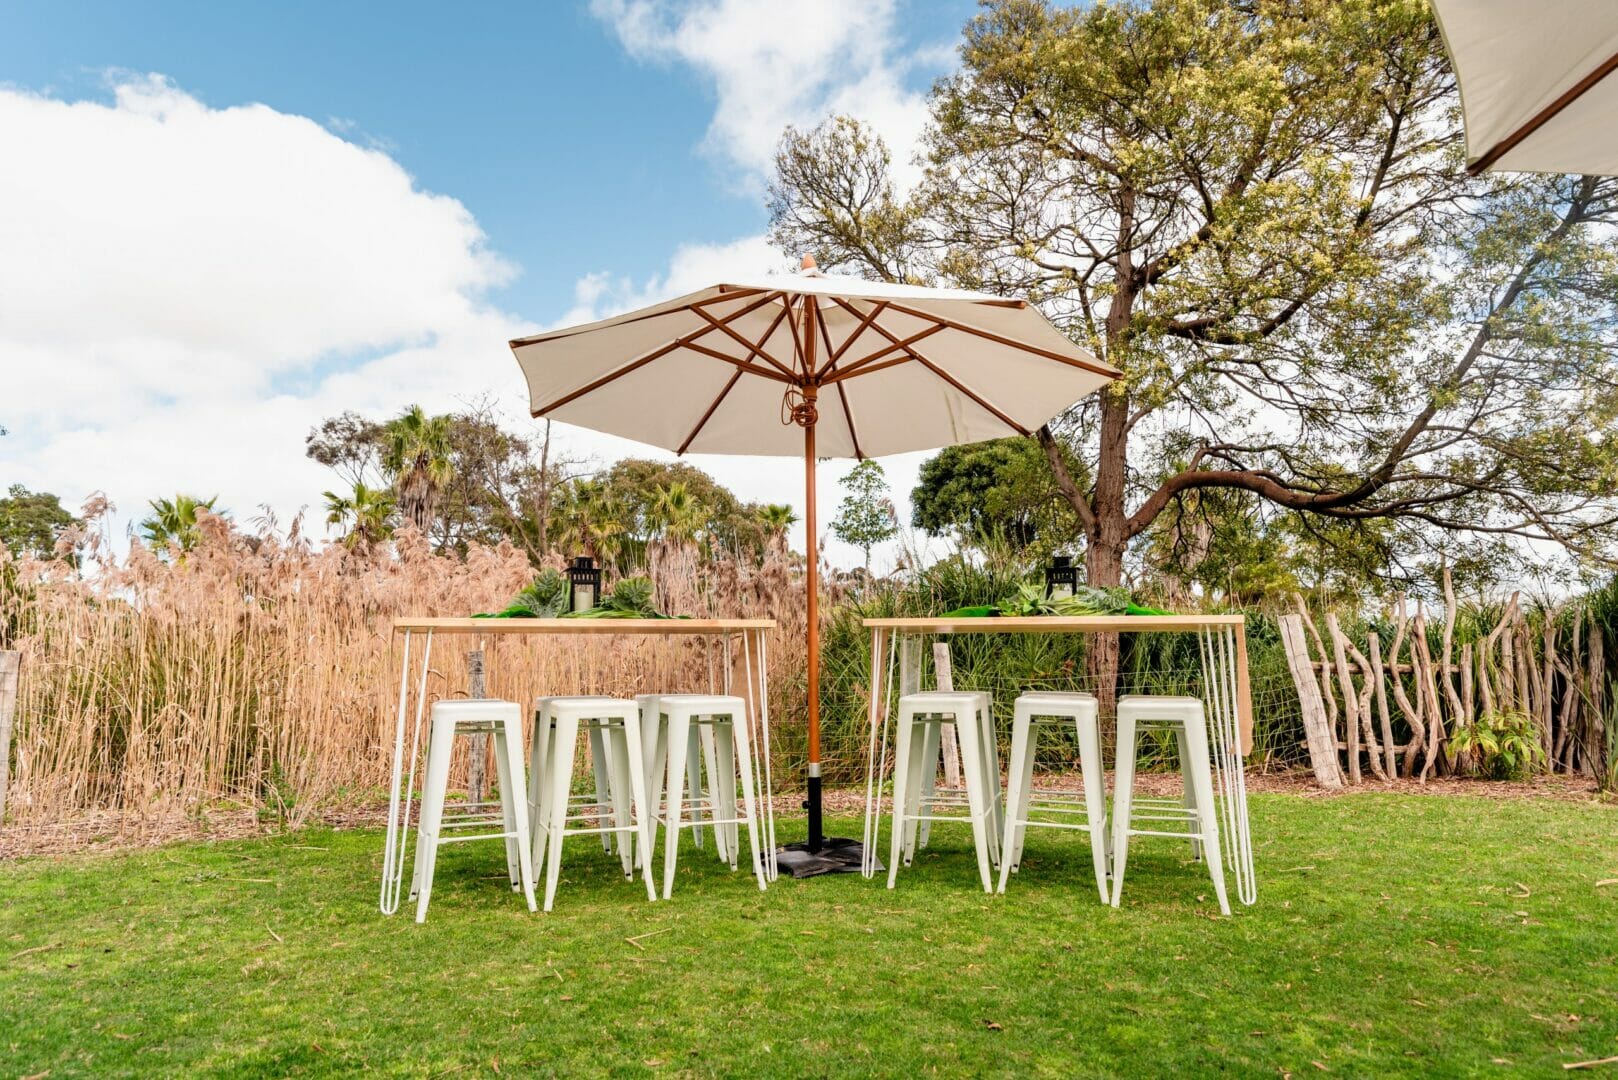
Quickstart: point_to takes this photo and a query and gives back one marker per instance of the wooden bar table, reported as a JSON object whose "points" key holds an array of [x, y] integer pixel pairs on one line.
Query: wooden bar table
{"points": [[755, 690], [1226, 693]]}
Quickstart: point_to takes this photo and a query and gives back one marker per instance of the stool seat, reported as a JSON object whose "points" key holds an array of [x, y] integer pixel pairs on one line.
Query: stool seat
{"points": [[1196, 813], [502, 719], [916, 797], [1046, 709], [616, 723], [719, 723]]}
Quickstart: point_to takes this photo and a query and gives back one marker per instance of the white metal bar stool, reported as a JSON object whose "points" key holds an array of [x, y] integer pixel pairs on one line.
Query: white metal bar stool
{"points": [[701, 760], [726, 716], [629, 820], [1034, 713], [1138, 713], [913, 757], [603, 800], [932, 750], [502, 719]]}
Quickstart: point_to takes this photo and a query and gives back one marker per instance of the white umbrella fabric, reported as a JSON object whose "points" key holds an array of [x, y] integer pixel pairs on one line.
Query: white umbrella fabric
{"points": [[817, 366], [1534, 83]]}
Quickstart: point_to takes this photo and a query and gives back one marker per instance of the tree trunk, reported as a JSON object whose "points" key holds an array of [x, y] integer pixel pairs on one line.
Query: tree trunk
{"points": [[1322, 740], [476, 745]]}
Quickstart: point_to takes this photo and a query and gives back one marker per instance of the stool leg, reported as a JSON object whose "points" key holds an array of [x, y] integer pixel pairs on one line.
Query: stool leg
{"points": [[932, 748], [618, 775], [1021, 832], [1190, 795], [1199, 775], [1014, 796], [968, 733], [1122, 794], [508, 804], [1095, 795], [722, 785], [741, 753], [432, 813], [634, 755], [904, 775], [508, 749], [991, 765], [563, 746], [679, 725], [538, 748], [598, 766], [699, 750]]}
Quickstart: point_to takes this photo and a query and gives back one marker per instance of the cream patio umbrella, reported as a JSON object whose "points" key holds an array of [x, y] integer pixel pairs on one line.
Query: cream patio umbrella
{"points": [[817, 366], [1534, 83]]}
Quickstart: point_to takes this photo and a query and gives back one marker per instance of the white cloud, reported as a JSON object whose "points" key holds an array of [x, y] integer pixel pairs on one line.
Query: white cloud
{"points": [[772, 65], [184, 290]]}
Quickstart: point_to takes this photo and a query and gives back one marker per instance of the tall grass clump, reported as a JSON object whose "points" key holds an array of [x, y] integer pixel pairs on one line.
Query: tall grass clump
{"points": [[258, 672]]}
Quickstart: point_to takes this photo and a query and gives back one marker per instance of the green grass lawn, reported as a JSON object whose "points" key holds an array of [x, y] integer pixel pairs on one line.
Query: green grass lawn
{"points": [[1393, 935]]}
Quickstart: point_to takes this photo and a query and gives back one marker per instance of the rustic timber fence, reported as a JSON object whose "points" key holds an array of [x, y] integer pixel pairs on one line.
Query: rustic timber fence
{"points": [[1536, 683]]}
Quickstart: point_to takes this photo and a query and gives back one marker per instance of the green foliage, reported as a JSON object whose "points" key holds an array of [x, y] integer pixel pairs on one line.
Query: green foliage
{"points": [[173, 522], [544, 598], [615, 514], [1506, 744], [415, 452], [866, 517], [365, 515], [1002, 488], [31, 521], [1258, 213]]}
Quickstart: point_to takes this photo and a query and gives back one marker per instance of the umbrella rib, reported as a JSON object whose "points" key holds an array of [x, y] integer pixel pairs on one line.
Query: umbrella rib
{"points": [[797, 341], [876, 309], [762, 372], [825, 335], [752, 349], [848, 415], [946, 376], [735, 376], [867, 364], [1022, 346], [554, 335], [683, 342], [960, 386], [1544, 116]]}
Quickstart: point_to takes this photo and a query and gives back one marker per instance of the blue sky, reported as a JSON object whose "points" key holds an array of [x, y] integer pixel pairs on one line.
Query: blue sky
{"points": [[574, 156], [222, 222]]}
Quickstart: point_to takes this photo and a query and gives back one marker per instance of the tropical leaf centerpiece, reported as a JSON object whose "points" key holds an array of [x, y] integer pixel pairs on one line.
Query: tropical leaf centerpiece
{"points": [[546, 598], [1030, 599]]}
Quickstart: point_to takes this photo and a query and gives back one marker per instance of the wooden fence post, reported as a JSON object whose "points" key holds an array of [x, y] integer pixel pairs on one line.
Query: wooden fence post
{"points": [[1322, 739], [946, 683], [10, 664], [476, 747]]}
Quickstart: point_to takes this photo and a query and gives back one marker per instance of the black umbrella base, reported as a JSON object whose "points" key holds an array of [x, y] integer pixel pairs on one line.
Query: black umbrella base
{"points": [[837, 855]]}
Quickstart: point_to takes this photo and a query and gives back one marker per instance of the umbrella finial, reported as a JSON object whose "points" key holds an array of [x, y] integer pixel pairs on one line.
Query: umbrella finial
{"points": [[807, 267]]}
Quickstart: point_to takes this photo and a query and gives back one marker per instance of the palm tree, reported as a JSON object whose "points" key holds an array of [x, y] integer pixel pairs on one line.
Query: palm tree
{"points": [[416, 454], [364, 514], [173, 522], [776, 519], [677, 515]]}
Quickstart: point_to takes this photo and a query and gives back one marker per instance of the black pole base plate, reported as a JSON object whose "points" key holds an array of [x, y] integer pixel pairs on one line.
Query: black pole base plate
{"points": [[837, 855]]}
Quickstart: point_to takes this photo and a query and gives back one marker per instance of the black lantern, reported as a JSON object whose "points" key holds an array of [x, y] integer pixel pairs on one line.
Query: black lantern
{"points": [[584, 583], [1061, 577]]}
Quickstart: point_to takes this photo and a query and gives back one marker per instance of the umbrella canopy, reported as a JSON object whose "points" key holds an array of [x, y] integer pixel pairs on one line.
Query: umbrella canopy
{"points": [[1534, 83], [814, 365], [895, 368]]}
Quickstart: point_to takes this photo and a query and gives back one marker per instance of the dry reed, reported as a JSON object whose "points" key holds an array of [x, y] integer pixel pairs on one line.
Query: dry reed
{"points": [[258, 672]]}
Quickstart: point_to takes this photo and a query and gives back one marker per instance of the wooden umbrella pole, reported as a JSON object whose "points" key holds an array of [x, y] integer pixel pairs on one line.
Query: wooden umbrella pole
{"points": [[812, 584]]}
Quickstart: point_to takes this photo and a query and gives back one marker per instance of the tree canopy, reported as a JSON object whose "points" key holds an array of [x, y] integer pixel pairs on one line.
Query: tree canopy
{"points": [[31, 521], [1259, 213]]}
